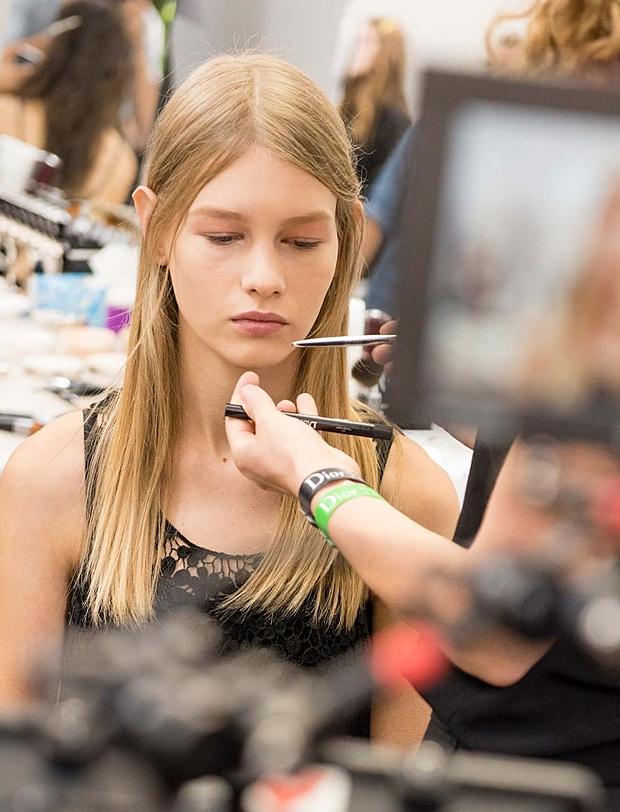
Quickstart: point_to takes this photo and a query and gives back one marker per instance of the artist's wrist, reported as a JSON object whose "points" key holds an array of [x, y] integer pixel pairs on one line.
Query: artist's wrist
{"points": [[302, 470], [318, 496]]}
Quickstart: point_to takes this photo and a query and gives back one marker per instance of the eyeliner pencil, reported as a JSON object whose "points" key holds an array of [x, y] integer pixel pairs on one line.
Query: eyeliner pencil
{"points": [[378, 431]]}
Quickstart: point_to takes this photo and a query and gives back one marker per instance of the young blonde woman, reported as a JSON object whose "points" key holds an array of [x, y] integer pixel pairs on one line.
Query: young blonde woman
{"points": [[373, 104], [252, 228]]}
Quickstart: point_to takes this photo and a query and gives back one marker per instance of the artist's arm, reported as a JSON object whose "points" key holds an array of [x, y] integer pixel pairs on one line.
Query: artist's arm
{"points": [[423, 491], [398, 558], [42, 522]]}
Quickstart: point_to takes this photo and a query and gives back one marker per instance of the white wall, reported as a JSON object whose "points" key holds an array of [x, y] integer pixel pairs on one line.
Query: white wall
{"points": [[306, 32], [4, 7], [298, 30]]}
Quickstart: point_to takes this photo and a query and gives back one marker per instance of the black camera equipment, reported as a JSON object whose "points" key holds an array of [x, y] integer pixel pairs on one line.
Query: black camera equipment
{"points": [[430, 779], [532, 594]]}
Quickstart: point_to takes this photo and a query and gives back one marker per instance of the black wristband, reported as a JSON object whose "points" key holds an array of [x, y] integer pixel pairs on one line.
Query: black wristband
{"points": [[313, 483]]}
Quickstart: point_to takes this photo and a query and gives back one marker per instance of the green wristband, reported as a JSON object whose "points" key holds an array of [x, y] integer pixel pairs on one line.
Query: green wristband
{"points": [[334, 498]]}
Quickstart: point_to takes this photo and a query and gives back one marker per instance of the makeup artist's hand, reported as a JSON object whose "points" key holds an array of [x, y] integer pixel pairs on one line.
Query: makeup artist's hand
{"points": [[276, 451], [384, 353]]}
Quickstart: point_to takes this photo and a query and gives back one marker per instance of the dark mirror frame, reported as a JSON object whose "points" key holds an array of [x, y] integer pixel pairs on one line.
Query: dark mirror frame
{"points": [[413, 397]]}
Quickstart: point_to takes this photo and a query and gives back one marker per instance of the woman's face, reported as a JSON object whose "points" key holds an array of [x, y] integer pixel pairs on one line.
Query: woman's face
{"points": [[366, 51], [253, 261]]}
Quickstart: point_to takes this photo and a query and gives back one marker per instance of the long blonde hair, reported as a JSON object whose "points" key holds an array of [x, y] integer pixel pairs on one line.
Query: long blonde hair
{"points": [[381, 86], [228, 106], [564, 36]]}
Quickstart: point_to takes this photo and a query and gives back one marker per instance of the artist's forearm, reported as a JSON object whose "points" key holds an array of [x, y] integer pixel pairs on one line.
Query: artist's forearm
{"points": [[418, 574], [394, 555]]}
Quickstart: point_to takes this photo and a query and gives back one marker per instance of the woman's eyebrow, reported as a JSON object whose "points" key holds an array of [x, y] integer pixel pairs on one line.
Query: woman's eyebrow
{"points": [[218, 214], [319, 216], [310, 217]]}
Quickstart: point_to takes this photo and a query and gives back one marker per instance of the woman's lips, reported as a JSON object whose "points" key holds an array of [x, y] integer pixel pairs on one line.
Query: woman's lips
{"points": [[259, 324]]}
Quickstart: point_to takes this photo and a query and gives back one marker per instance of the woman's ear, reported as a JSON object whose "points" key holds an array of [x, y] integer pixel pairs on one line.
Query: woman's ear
{"points": [[145, 201]]}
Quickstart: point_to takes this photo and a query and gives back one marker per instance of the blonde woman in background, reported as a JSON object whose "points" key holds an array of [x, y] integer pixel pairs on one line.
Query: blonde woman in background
{"points": [[251, 233], [575, 360], [373, 105]]}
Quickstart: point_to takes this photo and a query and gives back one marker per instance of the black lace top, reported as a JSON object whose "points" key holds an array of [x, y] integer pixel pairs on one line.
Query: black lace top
{"points": [[190, 574]]}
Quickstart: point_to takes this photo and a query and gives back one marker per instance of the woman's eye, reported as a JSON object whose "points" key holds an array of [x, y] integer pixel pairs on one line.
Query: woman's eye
{"points": [[223, 239], [304, 245]]}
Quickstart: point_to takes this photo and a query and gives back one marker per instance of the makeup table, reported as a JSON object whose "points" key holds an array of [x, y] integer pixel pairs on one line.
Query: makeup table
{"points": [[26, 344]]}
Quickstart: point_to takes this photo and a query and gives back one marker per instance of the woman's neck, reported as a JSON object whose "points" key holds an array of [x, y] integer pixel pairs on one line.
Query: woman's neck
{"points": [[207, 385]]}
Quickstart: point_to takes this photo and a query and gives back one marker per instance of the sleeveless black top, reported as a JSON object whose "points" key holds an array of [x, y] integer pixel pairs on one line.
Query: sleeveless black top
{"points": [[193, 575]]}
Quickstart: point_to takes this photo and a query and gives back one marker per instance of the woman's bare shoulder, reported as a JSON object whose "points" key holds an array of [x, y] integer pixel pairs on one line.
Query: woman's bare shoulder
{"points": [[57, 448], [419, 487], [42, 485]]}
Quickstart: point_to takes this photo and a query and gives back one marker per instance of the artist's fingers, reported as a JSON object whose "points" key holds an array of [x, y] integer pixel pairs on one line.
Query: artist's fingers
{"points": [[240, 433], [384, 353], [286, 406], [256, 402], [306, 404], [389, 328], [246, 378]]}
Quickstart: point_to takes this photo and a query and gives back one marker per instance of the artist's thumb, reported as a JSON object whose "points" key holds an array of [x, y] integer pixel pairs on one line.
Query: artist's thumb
{"points": [[257, 402], [244, 380]]}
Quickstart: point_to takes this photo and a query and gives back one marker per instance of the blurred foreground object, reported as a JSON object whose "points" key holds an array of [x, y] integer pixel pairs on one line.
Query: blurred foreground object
{"points": [[156, 720]]}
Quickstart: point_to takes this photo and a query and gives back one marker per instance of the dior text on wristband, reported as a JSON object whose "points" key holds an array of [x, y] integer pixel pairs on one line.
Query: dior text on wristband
{"points": [[313, 483]]}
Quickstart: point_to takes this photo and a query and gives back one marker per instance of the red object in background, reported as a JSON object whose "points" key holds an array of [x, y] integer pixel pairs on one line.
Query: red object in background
{"points": [[407, 652], [605, 506]]}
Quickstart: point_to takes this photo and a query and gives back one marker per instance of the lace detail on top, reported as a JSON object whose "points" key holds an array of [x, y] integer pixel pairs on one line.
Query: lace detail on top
{"points": [[194, 575], [208, 576]]}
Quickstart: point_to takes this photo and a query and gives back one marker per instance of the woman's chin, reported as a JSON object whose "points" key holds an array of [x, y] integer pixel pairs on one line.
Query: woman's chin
{"points": [[258, 358]]}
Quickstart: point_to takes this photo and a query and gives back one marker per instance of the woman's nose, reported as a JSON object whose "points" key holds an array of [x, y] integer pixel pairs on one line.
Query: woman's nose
{"points": [[262, 273]]}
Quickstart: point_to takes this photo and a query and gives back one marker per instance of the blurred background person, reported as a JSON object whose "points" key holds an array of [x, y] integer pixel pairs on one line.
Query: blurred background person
{"points": [[568, 37], [70, 104], [373, 105], [31, 25]]}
